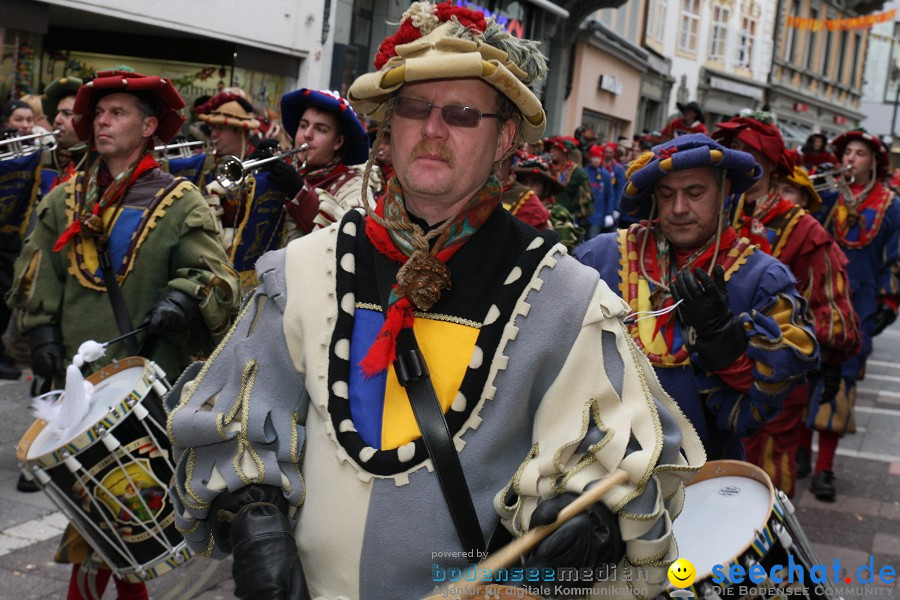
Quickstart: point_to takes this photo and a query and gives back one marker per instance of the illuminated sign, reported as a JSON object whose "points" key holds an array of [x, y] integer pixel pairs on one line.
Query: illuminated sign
{"points": [[513, 26]]}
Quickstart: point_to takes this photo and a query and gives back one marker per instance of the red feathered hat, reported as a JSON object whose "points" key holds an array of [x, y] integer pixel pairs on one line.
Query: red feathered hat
{"points": [[169, 101], [762, 136], [861, 135]]}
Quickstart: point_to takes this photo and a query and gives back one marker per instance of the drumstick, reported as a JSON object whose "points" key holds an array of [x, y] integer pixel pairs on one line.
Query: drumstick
{"points": [[512, 551], [136, 331]]}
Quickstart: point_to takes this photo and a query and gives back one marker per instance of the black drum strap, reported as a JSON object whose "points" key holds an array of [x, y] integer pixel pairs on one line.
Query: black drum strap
{"points": [[412, 374], [116, 298]]}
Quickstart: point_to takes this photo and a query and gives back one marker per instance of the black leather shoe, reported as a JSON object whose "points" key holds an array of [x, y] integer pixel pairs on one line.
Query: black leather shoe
{"points": [[8, 368], [804, 464], [822, 486], [24, 485]]}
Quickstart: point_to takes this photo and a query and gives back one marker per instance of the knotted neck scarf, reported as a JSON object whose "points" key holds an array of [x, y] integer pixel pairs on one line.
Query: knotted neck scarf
{"points": [[424, 274], [88, 218]]}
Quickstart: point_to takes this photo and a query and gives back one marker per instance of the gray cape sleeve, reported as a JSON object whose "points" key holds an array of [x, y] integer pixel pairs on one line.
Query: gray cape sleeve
{"points": [[241, 420]]}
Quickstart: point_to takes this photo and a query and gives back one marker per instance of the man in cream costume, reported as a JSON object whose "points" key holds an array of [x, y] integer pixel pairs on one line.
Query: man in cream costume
{"points": [[297, 448]]}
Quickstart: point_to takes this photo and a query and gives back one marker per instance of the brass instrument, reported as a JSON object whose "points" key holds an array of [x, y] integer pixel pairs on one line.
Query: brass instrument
{"points": [[17, 147], [180, 150], [230, 171], [831, 180]]}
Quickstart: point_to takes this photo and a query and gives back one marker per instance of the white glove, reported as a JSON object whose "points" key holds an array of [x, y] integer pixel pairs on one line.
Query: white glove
{"points": [[608, 221]]}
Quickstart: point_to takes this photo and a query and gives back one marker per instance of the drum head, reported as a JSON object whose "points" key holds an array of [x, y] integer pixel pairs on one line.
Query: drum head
{"points": [[723, 509], [108, 392]]}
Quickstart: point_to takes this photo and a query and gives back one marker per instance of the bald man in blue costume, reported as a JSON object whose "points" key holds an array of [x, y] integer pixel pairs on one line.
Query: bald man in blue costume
{"points": [[739, 341]]}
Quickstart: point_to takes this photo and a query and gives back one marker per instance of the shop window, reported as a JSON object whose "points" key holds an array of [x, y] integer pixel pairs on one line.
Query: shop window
{"points": [[690, 23], [720, 17]]}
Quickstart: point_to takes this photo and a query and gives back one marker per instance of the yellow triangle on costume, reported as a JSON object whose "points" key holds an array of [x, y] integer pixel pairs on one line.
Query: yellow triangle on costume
{"points": [[448, 349], [653, 344]]}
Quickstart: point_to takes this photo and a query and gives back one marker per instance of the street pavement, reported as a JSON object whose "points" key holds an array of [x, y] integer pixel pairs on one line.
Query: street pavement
{"points": [[864, 522]]}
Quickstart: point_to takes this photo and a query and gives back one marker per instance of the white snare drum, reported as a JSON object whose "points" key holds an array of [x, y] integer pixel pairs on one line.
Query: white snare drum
{"points": [[733, 515], [111, 479]]}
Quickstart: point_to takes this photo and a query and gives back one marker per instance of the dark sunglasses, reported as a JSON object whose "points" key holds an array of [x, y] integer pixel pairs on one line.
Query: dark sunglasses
{"points": [[455, 116]]}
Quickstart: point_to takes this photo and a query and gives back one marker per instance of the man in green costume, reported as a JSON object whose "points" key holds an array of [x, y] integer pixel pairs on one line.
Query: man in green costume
{"points": [[157, 231]]}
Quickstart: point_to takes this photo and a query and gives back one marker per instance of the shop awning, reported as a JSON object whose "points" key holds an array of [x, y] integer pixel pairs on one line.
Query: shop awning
{"points": [[551, 8]]}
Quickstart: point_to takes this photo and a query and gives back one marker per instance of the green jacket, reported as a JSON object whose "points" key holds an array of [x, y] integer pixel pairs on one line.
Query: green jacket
{"points": [[163, 236], [577, 198]]}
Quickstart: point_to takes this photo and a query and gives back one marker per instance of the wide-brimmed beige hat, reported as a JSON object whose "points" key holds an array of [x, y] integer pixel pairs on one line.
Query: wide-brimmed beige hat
{"points": [[228, 109], [444, 41]]}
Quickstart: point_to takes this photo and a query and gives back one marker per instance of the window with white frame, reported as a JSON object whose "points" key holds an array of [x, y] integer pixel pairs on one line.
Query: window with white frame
{"points": [[690, 24], [720, 17], [745, 48], [656, 20]]}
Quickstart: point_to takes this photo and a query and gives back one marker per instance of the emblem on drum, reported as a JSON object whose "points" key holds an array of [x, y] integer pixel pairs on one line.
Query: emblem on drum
{"points": [[132, 494], [729, 490]]}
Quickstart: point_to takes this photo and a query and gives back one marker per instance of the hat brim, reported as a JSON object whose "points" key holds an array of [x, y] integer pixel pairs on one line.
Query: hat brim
{"points": [[294, 104], [111, 82], [554, 183], [214, 119]]}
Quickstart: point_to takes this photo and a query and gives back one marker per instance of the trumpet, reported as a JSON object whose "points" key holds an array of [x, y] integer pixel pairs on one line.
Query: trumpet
{"points": [[18, 148], [181, 150], [832, 179], [230, 171]]}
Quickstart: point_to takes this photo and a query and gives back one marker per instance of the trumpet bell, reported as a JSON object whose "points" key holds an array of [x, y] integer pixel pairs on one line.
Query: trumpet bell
{"points": [[229, 172]]}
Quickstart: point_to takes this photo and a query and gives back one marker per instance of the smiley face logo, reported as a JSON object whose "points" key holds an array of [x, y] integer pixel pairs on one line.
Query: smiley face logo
{"points": [[682, 573]]}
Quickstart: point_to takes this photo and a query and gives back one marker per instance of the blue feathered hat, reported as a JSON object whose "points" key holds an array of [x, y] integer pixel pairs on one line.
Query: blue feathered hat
{"points": [[356, 142], [686, 152]]}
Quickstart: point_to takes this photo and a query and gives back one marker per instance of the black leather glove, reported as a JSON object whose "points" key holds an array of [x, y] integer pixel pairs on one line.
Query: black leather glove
{"points": [[884, 316], [264, 149], [588, 540], [831, 380], [720, 338], [173, 313], [285, 177], [47, 351], [253, 525]]}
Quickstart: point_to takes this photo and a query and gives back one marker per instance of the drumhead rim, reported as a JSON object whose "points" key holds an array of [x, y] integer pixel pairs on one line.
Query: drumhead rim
{"points": [[714, 469], [83, 442]]}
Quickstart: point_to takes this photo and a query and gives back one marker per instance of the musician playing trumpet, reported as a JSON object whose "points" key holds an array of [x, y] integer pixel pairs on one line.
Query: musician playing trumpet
{"points": [[327, 187], [251, 213]]}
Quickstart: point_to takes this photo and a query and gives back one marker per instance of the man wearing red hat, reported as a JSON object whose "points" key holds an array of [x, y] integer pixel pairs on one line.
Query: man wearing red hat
{"points": [[866, 224], [123, 225], [577, 196], [534, 173], [603, 218], [519, 199], [690, 121], [616, 175], [794, 237]]}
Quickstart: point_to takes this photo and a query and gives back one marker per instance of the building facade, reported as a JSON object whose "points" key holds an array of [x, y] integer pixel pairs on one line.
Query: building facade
{"points": [[816, 79], [266, 47], [721, 51], [881, 86]]}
